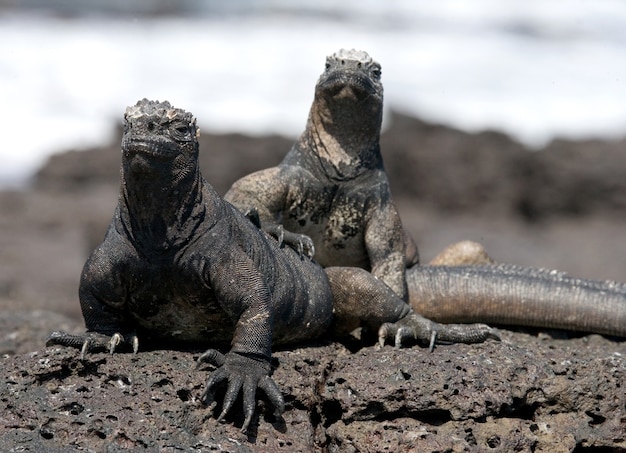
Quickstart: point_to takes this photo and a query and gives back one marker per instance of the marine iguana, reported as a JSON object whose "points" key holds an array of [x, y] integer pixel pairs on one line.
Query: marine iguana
{"points": [[179, 265], [331, 195], [332, 187]]}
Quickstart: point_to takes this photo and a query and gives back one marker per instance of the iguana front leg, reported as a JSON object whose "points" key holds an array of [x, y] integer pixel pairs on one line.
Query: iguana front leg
{"points": [[244, 295], [102, 303], [385, 242], [261, 196]]}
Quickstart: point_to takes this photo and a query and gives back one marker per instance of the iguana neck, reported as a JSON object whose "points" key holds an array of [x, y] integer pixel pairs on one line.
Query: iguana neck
{"points": [[344, 136], [156, 211]]}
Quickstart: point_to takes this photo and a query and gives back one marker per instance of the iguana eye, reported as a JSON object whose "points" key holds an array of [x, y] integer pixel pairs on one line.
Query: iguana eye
{"points": [[180, 127], [180, 131]]}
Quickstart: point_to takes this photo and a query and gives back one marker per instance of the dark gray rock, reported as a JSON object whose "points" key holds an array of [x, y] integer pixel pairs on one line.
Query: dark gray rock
{"points": [[527, 393]]}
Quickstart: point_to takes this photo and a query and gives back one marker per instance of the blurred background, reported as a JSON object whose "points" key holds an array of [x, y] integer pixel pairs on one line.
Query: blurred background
{"points": [[535, 69], [505, 120]]}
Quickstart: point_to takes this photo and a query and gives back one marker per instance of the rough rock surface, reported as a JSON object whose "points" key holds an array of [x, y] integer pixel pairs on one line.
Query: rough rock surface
{"points": [[562, 207], [528, 393]]}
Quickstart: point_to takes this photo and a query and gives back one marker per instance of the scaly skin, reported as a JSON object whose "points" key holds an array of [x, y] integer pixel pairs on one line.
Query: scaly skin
{"points": [[331, 195], [514, 295], [181, 265]]}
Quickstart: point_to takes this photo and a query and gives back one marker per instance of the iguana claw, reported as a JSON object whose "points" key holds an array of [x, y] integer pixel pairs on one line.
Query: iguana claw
{"points": [[244, 374], [115, 341], [433, 339]]}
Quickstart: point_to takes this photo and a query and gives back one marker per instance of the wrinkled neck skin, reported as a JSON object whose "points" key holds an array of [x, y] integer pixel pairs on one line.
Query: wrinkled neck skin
{"points": [[160, 207], [344, 133]]}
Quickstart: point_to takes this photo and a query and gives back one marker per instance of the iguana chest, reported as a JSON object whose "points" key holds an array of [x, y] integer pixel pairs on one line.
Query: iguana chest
{"points": [[335, 218], [170, 301]]}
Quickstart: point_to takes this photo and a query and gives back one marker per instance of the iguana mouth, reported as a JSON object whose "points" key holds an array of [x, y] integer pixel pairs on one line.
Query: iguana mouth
{"points": [[161, 149], [337, 82]]}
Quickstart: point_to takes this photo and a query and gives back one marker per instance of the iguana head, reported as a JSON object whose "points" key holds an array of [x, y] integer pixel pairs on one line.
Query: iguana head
{"points": [[351, 75], [349, 98], [159, 137], [344, 122], [160, 175]]}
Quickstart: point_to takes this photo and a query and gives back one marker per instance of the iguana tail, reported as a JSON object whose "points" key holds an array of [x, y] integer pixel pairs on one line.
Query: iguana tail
{"points": [[514, 295]]}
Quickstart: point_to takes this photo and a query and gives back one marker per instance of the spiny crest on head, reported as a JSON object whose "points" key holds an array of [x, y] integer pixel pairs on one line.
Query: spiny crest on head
{"points": [[158, 109], [360, 56]]}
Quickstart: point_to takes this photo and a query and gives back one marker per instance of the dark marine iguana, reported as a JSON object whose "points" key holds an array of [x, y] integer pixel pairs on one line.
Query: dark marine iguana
{"points": [[180, 265], [330, 194]]}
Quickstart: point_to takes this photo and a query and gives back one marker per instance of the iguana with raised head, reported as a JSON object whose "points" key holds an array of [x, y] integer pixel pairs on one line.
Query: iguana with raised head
{"points": [[179, 265], [331, 195]]}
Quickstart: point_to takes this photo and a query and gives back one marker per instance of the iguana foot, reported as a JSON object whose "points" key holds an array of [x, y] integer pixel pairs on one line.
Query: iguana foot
{"points": [[301, 243], [93, 341], [244, 373], [414, 327]]}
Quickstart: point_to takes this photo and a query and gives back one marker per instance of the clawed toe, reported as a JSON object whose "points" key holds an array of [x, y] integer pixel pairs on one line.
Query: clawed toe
{"points": [[212, 357], [433, 340], [93, 342], [243, 375]]}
